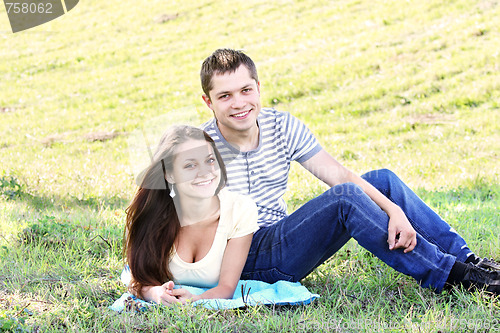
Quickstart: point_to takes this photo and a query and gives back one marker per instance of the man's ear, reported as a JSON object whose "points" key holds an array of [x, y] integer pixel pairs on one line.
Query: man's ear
{"points": [[207, 101], [258, 87]]}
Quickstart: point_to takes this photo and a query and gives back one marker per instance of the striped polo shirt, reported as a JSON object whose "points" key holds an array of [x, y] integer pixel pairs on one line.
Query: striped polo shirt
{"points": [[262, 173]]}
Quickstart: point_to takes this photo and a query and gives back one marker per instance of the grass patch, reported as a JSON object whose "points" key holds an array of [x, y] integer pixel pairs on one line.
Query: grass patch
{"points": [[409, 86]]}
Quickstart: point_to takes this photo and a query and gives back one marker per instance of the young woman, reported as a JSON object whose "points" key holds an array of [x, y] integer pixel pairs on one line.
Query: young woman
{"points": [[183, 227]]}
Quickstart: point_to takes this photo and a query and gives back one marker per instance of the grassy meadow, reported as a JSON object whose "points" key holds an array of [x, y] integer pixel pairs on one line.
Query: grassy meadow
{"points": [[413, 86]]}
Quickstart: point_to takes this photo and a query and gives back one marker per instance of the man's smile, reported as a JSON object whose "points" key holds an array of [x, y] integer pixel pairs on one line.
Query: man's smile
{"points": [[241, 115]]}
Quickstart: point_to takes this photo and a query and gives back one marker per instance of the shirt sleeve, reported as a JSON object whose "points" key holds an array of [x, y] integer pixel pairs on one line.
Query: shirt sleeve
{"points": [[245, 217], [301, 142]]}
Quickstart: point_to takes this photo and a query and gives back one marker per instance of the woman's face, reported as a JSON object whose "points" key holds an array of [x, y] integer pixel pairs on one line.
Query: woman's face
{"points": [[196, 172]]}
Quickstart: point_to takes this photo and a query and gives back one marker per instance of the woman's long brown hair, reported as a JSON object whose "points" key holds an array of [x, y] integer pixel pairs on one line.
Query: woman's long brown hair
{"points": [[152, 223]]}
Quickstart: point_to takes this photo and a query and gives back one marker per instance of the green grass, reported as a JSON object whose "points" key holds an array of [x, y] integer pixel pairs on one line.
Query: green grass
{"points": [[406, 85]]}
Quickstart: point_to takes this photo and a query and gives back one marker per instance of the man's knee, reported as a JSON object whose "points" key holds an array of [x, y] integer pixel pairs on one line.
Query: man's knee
{"points": [[380, 179], [345, 190]]}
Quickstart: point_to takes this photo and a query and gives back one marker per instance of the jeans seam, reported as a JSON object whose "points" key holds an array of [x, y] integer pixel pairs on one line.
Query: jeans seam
{"points": [[275, 273], [269, 250]]}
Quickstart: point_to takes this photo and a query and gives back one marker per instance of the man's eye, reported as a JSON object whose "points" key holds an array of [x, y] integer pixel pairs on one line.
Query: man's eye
{"points": [[223, 96], [247, 89]]}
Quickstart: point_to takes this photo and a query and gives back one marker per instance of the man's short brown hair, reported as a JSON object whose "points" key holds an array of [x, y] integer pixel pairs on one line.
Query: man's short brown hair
{"points": [[221, 62]]}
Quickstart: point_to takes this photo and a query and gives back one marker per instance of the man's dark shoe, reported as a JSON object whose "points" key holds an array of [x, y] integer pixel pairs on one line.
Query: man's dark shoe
{"points": [[488, 264], [479, 278], [484, 263]]}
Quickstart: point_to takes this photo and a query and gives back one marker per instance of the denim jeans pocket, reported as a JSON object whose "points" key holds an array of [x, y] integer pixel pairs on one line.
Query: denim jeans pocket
{"points": [[269, 275]]}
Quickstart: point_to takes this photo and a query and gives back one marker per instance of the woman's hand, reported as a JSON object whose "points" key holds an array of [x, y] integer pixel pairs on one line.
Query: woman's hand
{"points": [[161, 294], [184, 296]]}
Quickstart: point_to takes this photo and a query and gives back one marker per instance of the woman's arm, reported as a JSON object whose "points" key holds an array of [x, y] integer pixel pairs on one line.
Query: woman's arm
{"points": [[233, 262]]}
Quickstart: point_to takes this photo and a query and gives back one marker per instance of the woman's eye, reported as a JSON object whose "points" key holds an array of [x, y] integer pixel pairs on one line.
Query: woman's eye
{"points": [[189, 166], [211, 160]]}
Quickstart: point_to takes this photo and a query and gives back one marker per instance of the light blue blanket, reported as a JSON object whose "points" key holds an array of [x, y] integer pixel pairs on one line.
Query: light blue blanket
{"points": [[253, 293]]}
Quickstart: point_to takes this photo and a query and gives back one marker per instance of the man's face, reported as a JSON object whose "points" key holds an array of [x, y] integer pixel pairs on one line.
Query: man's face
{"points": [[235, 101]]}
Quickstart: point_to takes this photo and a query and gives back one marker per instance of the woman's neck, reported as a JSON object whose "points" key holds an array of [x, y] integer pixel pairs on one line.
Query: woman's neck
{"points": [[192, 211]]}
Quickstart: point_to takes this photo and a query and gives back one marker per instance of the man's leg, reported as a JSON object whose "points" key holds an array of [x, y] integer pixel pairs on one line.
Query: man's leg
{"points": [[294, 246], [424, 220]]}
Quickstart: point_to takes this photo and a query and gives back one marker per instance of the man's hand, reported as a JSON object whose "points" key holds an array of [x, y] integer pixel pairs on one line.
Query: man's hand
{"points": [[401, 233]]}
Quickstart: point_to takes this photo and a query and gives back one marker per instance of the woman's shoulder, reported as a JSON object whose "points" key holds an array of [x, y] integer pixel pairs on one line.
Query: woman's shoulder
{"points": [[236, 206], [238, 214], [233, 198]]}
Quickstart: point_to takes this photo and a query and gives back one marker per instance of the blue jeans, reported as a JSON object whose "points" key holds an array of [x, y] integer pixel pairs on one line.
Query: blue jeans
{"points": [[293, 247]]}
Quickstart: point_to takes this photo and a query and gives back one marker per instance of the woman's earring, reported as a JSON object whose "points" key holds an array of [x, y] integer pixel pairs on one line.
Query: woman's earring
{"points": [[172, 192]]}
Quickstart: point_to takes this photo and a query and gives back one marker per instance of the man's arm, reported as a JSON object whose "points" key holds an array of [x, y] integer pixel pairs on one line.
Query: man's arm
{"points": [[326, 168]]}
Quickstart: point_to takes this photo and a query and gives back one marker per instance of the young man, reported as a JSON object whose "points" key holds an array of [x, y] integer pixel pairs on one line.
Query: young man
{"points": [[377, 209]]}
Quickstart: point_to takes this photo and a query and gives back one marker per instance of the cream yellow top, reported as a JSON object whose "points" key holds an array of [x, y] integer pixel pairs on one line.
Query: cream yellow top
{"points": [[238, 218]]}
